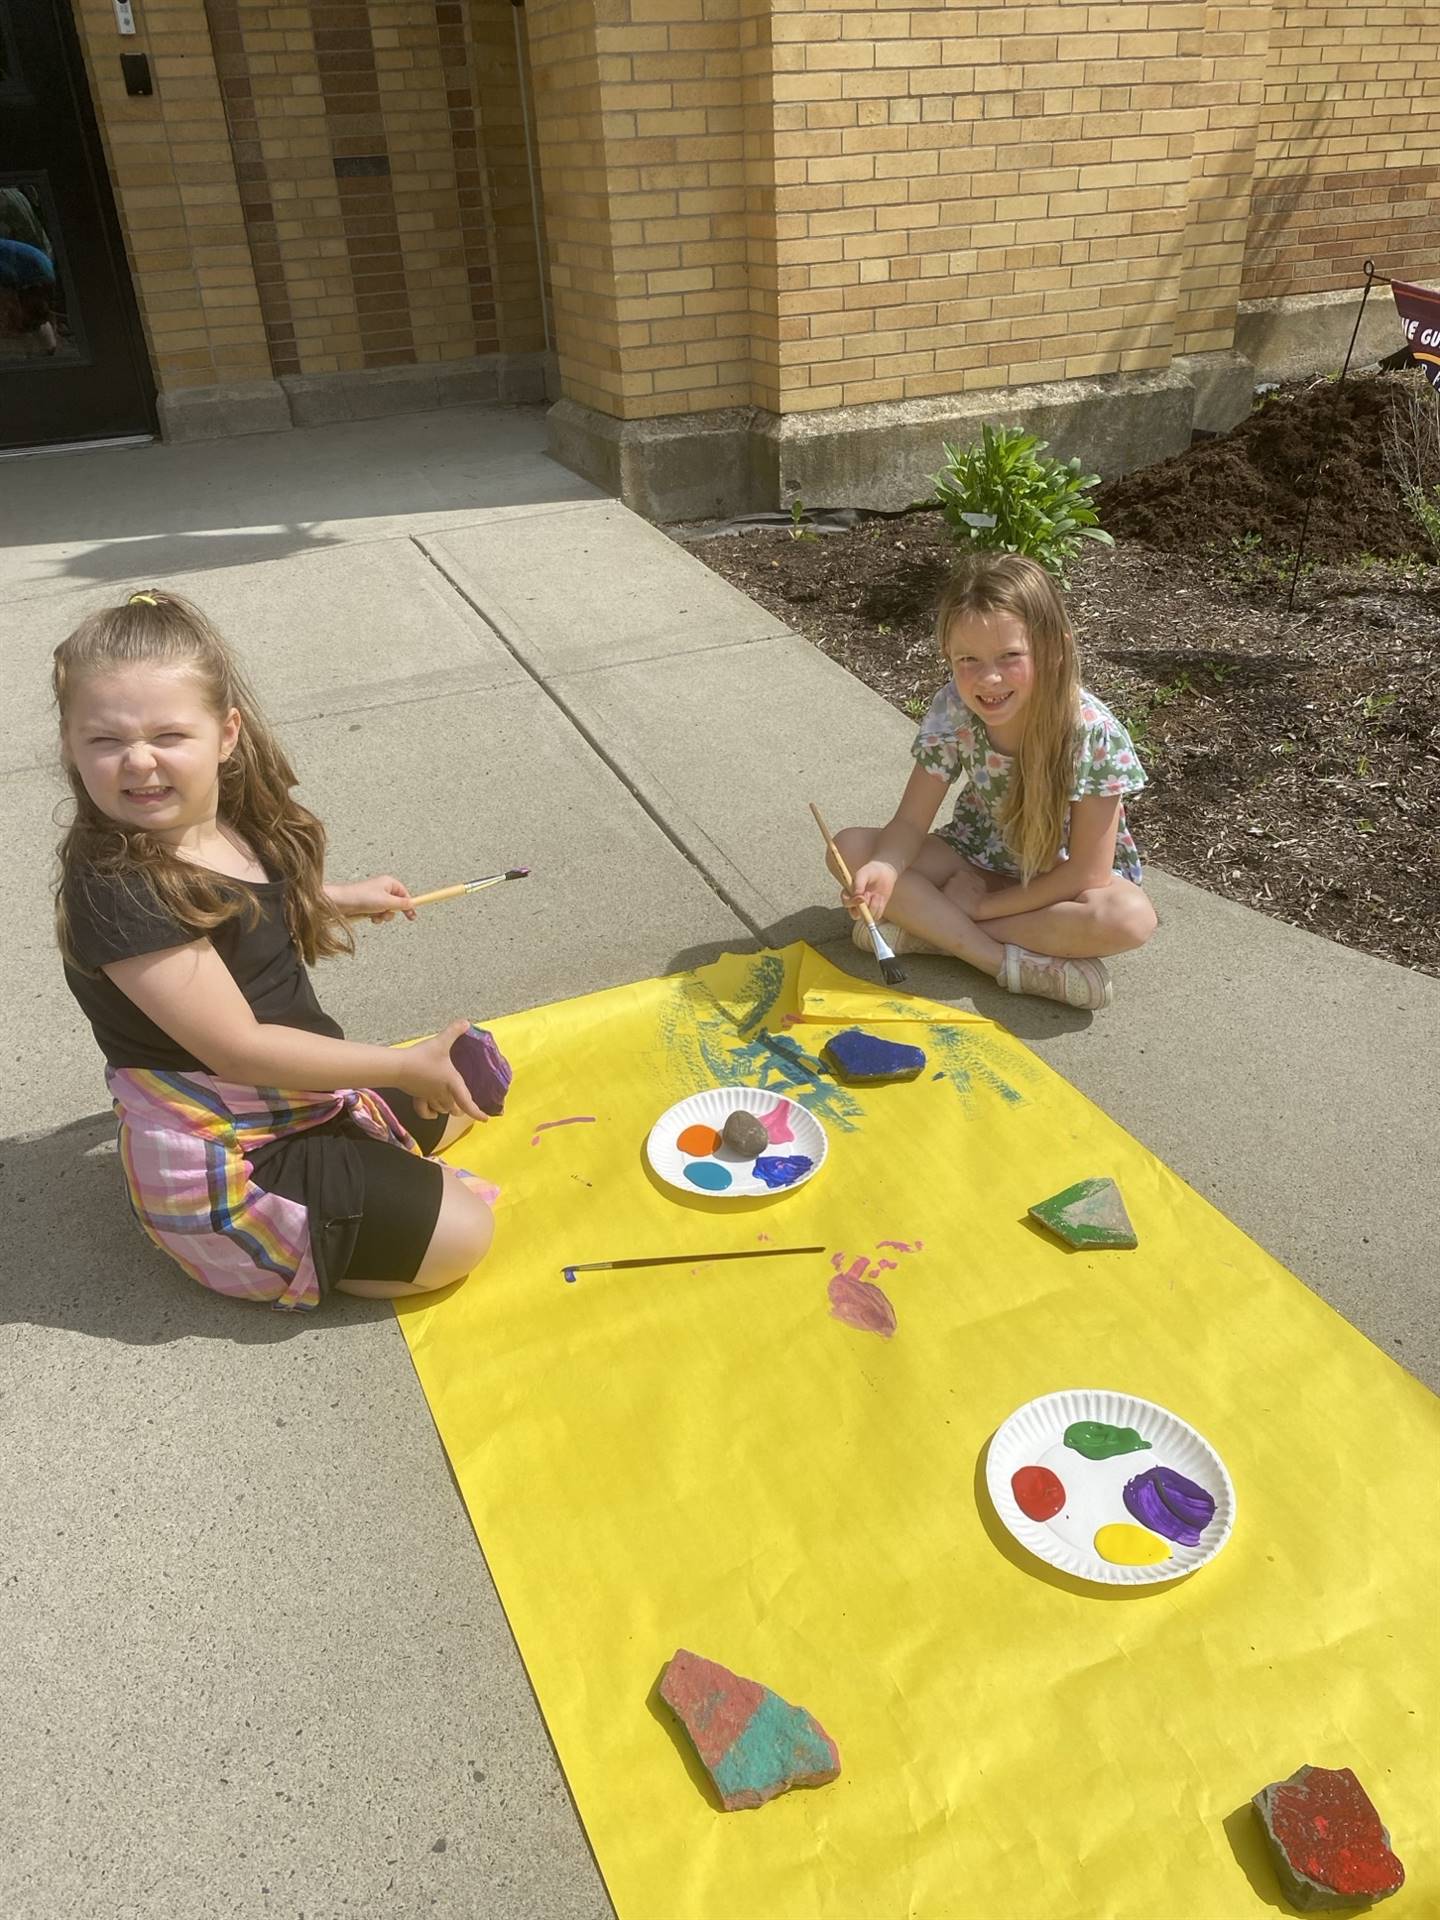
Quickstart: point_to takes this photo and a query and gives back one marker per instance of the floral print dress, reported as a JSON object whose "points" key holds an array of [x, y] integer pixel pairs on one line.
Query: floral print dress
{"points": [[952, 742]]}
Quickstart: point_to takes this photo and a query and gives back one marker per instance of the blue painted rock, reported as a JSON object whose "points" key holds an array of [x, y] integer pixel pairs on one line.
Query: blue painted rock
{"points": [[865, 1059], [1089, 1214], [486, 1070], [753, 1744], [1329, 1848]]}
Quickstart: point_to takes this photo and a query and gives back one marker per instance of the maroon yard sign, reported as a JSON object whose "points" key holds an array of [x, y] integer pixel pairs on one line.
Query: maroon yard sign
{"points": [[1419, 310]]}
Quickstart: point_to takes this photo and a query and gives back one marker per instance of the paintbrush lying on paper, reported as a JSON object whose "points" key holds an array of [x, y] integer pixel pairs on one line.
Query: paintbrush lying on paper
{"points": [[468, 886], [684, 1259], [890, 967]]}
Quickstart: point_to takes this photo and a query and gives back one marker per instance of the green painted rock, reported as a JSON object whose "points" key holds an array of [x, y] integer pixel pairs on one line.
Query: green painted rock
{"points": [[1089, 1214]]}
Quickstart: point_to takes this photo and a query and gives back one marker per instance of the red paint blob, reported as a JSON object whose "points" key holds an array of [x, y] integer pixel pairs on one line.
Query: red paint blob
{"points": [[699, 1140], [1038, 1492]]}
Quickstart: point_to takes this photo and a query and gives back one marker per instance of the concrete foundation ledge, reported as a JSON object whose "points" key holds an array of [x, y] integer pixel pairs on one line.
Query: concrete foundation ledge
{"points": [[743, 460], [1224, 387], [218, 413], [320, 399], [1286, 339]]}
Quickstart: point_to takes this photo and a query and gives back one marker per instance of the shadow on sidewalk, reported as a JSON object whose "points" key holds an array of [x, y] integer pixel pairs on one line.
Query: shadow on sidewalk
{"points": [[74, 1258]]}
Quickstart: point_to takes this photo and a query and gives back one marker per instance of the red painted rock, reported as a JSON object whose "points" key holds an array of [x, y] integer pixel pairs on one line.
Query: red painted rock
{"points": [[753, 1744], [1326, 1840]]}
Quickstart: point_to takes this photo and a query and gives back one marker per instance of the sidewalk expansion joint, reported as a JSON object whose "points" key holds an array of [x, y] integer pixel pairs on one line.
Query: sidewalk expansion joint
{"points": [[587, 734]]}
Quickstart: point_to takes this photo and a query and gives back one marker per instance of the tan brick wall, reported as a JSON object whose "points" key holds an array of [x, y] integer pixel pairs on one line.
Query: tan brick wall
{"points": [[320, 187], [177, 196], [793, 204], [1347, 156], [938, 199]]}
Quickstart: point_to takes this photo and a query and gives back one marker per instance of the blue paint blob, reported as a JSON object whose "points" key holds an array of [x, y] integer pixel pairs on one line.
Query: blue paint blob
{"points": [[859, 1056], [709, 1175], [781, 1169]]}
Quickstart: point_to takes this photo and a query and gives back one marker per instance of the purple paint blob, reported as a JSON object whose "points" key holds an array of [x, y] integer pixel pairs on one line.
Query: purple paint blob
{"points": [[777, 1124], [708, 1175], [570, 1120], [860, 1304], [781, 1170], [1169, 1504], [485, 1070]]}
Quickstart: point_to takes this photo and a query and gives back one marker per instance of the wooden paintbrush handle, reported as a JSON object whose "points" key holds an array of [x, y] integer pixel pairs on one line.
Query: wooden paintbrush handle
{"points": [[839, 859], [440, 893]]}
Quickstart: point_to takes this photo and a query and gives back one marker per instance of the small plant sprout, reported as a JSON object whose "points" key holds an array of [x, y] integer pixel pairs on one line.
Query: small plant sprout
{"points": [[798, 528]]}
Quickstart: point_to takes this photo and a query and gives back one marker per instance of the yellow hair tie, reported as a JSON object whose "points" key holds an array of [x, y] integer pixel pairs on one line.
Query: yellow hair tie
{"points": [[148, 598]]}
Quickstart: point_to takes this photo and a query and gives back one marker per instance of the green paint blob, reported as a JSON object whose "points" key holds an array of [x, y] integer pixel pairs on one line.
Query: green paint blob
{"points": [[1097, 1441]]}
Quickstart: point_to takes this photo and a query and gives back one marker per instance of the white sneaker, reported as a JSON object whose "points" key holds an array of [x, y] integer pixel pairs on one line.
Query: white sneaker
{"points": [[1075, 983], [896, 938]]}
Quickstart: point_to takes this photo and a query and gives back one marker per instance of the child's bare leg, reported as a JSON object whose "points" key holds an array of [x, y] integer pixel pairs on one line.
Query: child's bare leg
{"points": [[1114, 918], [925, 904], [459, 1243]]}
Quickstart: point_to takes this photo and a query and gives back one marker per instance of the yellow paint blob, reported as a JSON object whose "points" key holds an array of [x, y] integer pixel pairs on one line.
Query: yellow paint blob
{"points": [[1127, 1546]]}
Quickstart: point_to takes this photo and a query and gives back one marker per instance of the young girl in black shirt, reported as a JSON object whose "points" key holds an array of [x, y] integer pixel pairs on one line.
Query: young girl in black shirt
{"points": [[270, 1156]]}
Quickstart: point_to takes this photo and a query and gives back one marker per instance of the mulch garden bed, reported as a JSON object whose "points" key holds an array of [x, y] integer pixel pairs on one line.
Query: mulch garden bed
{"points": [[1294, 763]]}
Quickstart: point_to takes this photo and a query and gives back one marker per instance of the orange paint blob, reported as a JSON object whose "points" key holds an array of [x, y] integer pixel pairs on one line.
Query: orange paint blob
{"points": [[698, 1140]]}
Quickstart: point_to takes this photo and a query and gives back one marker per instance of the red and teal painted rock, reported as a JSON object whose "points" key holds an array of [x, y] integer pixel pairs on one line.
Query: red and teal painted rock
{"points": [[1326, 1840], [1089, 1214], [753, 1744]]}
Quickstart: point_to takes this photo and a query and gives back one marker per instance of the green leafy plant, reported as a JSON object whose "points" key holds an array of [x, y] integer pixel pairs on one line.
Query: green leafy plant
{"points": [[1005, 494], [798, 529]]}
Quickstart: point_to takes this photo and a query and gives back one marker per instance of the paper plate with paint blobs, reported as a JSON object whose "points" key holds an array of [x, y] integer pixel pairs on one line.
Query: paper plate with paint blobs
{"points": [[689, 1150], [1110, 1488]]}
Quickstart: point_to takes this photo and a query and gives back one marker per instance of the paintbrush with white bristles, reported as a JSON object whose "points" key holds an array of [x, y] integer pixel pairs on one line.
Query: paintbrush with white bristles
{"points": [[890, 967]]}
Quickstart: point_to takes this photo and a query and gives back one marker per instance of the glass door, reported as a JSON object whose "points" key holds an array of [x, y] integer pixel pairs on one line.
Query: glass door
{"points": [[72, 357]]}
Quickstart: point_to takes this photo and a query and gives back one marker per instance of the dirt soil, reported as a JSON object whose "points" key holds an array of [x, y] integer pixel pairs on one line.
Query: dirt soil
{"points": [[1294, 764]]}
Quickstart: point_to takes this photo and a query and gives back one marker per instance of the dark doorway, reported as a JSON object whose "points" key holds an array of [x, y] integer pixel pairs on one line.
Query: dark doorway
{"points": [[72, 357]]}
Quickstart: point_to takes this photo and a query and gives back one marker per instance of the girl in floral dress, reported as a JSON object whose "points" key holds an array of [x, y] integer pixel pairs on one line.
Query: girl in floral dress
{"points": [[1035, 878]]}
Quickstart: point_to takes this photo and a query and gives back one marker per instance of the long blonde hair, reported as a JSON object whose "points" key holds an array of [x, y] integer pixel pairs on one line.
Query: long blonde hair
{"points": [[157, 629], [1032, 813]]}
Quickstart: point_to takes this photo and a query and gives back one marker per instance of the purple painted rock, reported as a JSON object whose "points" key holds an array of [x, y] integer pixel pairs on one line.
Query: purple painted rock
{"points": [[485, 1068], [1326, 1841], [753, 1744]]}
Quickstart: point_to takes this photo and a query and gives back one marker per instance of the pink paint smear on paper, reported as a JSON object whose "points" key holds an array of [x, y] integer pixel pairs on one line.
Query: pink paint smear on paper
{"points": [[855, 1299], [777, 1124], [571, 1120], [859, 1303]]}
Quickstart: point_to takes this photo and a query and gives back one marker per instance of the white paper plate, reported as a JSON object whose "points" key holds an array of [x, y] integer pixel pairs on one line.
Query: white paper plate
{"points": [[1034, 1436], [711, 1109]]}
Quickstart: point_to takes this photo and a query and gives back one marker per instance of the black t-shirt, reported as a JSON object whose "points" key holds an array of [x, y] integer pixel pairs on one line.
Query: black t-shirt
{"points": [[114, 918]]}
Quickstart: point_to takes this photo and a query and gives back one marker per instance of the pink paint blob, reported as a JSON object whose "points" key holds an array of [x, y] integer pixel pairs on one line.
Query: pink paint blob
{"points": [[883, 1266], [571, 1120], [777, 1124], [902, 1246], [860, 1304]]}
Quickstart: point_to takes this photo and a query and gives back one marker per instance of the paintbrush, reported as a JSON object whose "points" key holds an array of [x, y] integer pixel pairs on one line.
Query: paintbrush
{"points": [[890, 967], [684, 1259], [467, 886]]}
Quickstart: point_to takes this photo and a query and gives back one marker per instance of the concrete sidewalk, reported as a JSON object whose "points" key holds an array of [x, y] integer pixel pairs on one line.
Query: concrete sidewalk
{"points": [[252, 1657]]}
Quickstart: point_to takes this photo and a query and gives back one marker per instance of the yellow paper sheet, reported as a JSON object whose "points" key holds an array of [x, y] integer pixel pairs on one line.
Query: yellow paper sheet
{"points": [[706, 1458]]}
